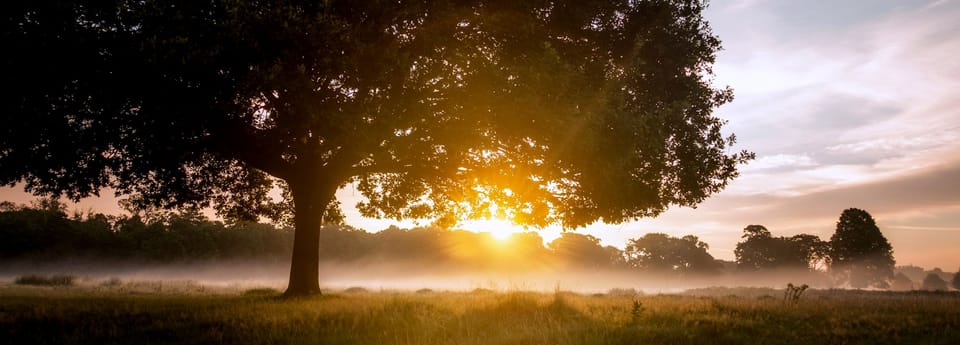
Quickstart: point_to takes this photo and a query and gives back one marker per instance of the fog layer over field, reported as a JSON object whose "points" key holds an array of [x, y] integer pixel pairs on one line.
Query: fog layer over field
{"points": [[402, 276]]}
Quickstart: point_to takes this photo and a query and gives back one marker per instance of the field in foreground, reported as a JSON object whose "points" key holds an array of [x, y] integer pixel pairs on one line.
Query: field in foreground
{"points": [[72, 315]]}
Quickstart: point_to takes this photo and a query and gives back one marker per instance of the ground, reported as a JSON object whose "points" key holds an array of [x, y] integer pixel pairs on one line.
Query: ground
{"points": [[114, 312]]}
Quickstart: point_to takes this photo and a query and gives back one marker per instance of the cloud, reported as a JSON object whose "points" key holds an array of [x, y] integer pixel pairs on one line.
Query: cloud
{"points": [[779, 161], [897, 144], [832, 94]]}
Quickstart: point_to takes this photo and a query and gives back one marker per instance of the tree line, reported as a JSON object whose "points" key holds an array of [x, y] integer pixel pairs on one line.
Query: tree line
{"points": [[856, 255]]}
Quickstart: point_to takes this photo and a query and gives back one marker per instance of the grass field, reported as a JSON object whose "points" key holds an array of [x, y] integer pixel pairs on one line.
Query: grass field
{"points": [[114, 312]]}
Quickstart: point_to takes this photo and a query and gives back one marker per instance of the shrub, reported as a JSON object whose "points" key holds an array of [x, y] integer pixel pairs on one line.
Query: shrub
{"points": [[55, 280], [114, 281], [623, 292], [355, 289]]}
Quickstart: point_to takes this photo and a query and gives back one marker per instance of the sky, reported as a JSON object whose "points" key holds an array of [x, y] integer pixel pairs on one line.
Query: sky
{"points": [[846, 104]]}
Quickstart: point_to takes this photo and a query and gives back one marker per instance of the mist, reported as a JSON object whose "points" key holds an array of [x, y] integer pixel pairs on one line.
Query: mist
{"points": [[405, 276]]}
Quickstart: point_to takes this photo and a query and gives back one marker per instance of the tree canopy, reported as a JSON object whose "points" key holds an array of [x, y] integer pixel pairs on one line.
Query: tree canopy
{"points": [[933, 282], [760, 250], [539, 112], [585, 251], [901, 282], [665, 253], [860, 252]]}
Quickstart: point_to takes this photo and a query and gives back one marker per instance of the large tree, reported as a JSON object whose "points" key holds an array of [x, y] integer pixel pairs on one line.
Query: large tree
{"points": [[564, 112], [859, 253]]}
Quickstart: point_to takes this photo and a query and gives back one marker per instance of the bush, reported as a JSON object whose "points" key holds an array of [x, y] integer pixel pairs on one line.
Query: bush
{"points": [[356, 289], [623, 292], [55, 280], [114, 281]]}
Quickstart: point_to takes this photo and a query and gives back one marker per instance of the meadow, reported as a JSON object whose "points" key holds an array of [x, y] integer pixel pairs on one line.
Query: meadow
{"points": [[144, 312]]}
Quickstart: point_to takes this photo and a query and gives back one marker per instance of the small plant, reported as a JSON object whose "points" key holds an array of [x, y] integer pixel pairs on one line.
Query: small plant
{"points": [[636, 311], [55, 280], [792, 293]]}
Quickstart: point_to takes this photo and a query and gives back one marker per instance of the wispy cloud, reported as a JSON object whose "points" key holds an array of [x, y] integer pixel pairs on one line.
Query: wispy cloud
{"points": [[780, 161]]}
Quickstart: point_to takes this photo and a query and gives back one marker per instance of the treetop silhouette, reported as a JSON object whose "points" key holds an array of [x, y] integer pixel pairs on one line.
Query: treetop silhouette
{"points": [[859, 251]]}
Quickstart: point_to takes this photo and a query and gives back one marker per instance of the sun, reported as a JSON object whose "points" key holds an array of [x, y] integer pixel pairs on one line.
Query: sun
{"points": [[499, 229], [501, 234]]}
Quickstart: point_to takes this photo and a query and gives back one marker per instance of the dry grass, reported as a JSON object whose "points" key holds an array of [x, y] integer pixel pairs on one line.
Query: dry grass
{"points": [[93, 314]]}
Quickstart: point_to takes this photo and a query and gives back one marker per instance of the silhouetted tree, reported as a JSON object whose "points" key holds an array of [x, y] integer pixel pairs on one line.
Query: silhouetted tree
{"points": [[955, 283], [760, 250], [578, 250], [809, 250], [915, 273], [45, 233], [661, 252], [8, 206], [345, 243], [34, 231], [901, 282], [527, 246], [859, 252], [756, 249], [559, 112], [933, 282]]}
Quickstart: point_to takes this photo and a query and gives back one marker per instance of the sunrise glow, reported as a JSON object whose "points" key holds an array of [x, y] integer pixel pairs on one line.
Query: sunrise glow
{"points": [[500, 229]]}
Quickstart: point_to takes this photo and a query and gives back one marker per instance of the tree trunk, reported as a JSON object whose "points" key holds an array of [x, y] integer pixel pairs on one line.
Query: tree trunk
{"points": [[310, 201]]}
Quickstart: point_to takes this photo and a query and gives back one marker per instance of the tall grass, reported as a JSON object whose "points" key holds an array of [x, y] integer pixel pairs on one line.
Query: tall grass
{"points": [[258, 317]]}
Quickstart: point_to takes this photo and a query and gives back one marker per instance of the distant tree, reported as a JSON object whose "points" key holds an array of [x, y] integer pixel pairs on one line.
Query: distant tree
{"points": [[901, 282], [34, 231], [933, 282], [760, 250], [955, 283], [915, 273], [859, 253], [809, 250], [754, 252], [660, 252], [615, 257], [345, 243], [7, 206], [578, 250], [51, 205], [527, 246], [559, 112]]}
